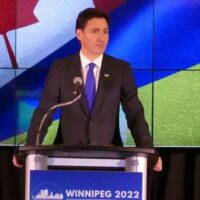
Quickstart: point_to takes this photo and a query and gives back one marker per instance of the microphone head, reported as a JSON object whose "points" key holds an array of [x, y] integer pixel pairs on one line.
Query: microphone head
{"points": [[77, 80]]}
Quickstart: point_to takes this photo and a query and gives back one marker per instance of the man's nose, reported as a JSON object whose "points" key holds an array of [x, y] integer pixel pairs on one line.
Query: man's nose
{"points": [[102, 36]]}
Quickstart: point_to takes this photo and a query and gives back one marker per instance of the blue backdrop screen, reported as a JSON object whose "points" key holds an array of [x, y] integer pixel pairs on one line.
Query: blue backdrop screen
{"points": [[160, 39]]}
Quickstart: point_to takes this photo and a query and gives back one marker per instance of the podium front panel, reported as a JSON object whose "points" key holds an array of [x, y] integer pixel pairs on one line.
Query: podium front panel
{"points": [[93, 185]]}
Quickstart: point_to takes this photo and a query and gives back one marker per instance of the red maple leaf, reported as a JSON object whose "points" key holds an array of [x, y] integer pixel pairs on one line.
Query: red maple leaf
{"points": [[108, 5], [15, 14]]}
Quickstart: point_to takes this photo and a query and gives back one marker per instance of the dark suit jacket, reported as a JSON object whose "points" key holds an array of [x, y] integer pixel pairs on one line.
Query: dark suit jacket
{"points": [[101, 127]]}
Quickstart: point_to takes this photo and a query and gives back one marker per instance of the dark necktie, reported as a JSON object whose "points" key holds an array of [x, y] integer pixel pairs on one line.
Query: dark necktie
{"points": [[90, 88]]}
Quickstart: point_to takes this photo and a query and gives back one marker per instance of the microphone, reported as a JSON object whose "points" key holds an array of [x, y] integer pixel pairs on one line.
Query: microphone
{"points": [[77, 81]]}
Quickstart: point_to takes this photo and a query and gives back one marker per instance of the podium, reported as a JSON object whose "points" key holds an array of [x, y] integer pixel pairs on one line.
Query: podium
{"points": [[128, 159]]}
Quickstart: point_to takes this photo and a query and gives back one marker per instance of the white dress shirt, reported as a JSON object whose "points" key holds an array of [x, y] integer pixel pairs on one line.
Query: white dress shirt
{"points": [[85, 67]]}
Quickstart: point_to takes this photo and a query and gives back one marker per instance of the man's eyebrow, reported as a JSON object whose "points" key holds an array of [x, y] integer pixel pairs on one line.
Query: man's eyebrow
{"points": [[95, 28]]}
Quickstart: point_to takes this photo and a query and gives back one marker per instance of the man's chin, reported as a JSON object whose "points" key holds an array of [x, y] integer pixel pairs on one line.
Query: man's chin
{"points": [[99, 52]]}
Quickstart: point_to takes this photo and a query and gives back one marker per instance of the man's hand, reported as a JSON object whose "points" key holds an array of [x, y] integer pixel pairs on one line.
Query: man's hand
{"points": [[158, 166], [16, 163]]}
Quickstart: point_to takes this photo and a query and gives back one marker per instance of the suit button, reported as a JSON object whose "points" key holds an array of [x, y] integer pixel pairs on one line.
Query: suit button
{"points": [[91, 122]]}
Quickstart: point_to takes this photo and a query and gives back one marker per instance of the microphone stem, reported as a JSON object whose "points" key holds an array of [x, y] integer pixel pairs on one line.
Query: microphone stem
{"points": [[51, 109]]}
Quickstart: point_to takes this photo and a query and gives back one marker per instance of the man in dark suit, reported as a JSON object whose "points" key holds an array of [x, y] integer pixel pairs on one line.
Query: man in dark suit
{"points": [[93, 122]]}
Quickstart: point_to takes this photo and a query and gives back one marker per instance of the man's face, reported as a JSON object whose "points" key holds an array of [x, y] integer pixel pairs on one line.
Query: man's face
{"points": [[94, 37]]}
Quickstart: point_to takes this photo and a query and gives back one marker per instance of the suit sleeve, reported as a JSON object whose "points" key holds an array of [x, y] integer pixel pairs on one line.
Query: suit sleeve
{"points": [[134, 111], [49, 97]]}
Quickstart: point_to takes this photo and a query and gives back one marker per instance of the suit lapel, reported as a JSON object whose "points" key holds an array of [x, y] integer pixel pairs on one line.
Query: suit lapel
{"points": [[75, 70], [101, 85]]}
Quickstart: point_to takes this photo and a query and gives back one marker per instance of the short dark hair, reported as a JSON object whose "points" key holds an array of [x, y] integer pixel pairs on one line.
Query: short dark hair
{"points": [[89, 13]]}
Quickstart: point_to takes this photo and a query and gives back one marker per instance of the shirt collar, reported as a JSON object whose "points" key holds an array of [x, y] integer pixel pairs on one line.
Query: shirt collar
{"points": [[85, 61]]}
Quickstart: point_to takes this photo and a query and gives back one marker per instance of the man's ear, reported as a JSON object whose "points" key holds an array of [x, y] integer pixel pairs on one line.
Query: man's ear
{"points": [[78, 34]]}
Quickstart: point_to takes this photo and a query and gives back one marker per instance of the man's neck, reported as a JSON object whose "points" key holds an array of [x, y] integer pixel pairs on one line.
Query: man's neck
{"points": [[90, 57]]}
